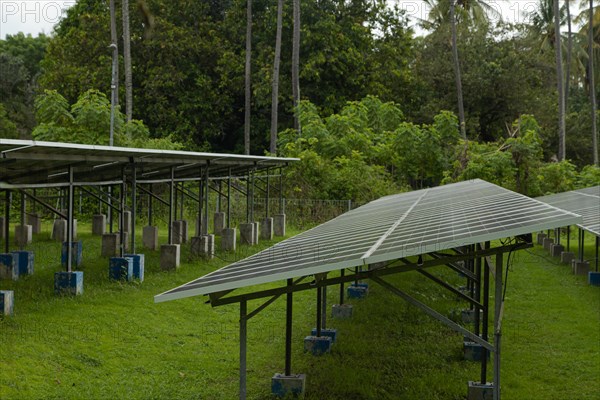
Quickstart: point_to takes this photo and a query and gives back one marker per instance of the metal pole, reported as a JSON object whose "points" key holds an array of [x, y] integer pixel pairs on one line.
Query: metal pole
{"points": [[133, 205], [342, 273], [581, 243], [497, 324], [597, 244], [319, 311], [557, 235], [22, 217], [324, 308], [248, 197], [281, 209], [229, 199], [150, 205], [7, 221], [252, 196], [472, 282], [122, 220], [568, 238], [267, 196], [243, 337], [206, 191], [219, 197], [70, 221], [485, 323], [110, 210], [181, 208], [288, 329], [175, 200], [200, 198], [171, 201], [477, 293]]}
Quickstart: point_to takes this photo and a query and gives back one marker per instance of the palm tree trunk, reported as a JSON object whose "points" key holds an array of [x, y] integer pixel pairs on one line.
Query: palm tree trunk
{"points": [[127, 59], [114, 85], [296, 65], [248, 77], [559, 83], [461, 108], [592, 86], [275, 87], [569, 51]]}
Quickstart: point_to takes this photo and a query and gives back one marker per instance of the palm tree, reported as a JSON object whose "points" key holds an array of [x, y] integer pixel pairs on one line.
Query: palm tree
{"points": [[275, 90], [127, 60], [115, 69], [248, 79], [296, 65], [569, 53], [457, 77], [591, 79], [559, 83]]}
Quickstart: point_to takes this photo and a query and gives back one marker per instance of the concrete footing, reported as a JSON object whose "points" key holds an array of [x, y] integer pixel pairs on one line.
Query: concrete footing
{"points": [[24, 262], [317, 345], [580, 267], [126, 221], [547, 243], [23, 235], [36, 223], [99, 224], [556, 250], [282, 385], [208, 242], [219, 223], [256, 228], [198, 246], [279, 224], [247, 233], [327, 332], [228, 239], [184, 231], [7, 302], [76, 253], [176, 232], [110, 244], [120, 269], [170, 256], [68, 282], [480, 391], [467, 316], [150, 237], [567, 257], [266, 229], [594, 278], [341, 311], [59, 230], [473, 351], [540, 238], [8, 267], [138, 261]]}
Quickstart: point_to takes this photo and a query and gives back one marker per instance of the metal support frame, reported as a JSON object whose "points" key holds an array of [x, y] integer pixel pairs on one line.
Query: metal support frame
{"points": [[499, 308], [288, 330], [267, 190], [182, 201], [44, 204], [342, 274], [281, 199], [122, 220], [70, 220], [229, 200], [568, 238], [219, 193], [200, 203], [171, 201], [21, 244], [485, 322], [581, 244], [206, 194], [150, 208], [243, 347], [248, 180], [100, 199], [7, 201], [319, 310], [133, 205], [597, 245]]}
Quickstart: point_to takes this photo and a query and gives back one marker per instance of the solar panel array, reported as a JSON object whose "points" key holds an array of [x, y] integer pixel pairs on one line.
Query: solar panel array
{"points": [[585, 202], [386, 229]]}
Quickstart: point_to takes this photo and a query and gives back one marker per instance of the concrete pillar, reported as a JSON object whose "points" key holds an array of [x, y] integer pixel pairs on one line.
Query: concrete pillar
{"points": [[219, 223], [7, 301], [36, 223], [198, 246], [279, 225], [184, 231], [283, 386], [150, 237], [169, 256], [247, 234], [547, 242], [23, 235], [580, 267], [266, 229], [480, 391], [256, 227], [540, 238], [110, 244], [567, 257], [59, 230], [127, 221], [2, 222], [99, 224], [556, 250], [228, 239], [176, 232], [210, 246]]}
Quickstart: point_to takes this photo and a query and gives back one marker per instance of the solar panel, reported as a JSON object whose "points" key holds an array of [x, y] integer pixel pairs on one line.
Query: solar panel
{"points": [[585, 202], [386, 229]]}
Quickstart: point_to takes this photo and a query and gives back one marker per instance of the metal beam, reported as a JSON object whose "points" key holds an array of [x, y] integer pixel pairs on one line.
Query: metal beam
{"points": [[243, 343], [44, 204], [110, 205]]}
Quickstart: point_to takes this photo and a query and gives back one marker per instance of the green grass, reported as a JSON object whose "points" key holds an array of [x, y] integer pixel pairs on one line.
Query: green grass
{"points": [[114, 342]]}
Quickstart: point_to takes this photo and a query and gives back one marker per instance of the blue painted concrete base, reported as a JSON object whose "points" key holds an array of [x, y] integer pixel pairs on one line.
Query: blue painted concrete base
{"points": [[357, 292], [138, 266], [76, 253], [480, 391], [332, 333], [360, 284], [317, 345], [68, 282], [472, 351], [282, 385], [120, 269], [8, 267], [342, 311], [594, 278], [7, 301], [24, 262]]}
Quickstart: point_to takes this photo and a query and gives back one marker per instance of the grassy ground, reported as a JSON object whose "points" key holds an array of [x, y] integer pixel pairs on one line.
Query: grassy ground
{"points": [[114, 342]]}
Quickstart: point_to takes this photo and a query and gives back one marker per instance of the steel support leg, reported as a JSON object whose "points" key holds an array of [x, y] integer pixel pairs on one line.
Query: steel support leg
{"points": [[267, 196], [23, 221], [206, 194], [150, 206], [133, 206], [229, 199], [319, 311], [288, 330], [70, 221], [498, 304], [324, 308], [171, 201], [7, 201], [243, 340], [342, 273], [122, 221]]}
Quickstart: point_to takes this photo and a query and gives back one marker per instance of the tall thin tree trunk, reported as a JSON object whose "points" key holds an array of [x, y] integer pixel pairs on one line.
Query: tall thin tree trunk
{"points": [[114, 86], [559, 83], [127, 59], [569, 51], [592, 85], [248, 83], [275, 89], [296, 65], [461, 108]]}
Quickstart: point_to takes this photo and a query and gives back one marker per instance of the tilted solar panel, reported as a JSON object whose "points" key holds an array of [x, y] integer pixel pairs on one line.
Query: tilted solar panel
{"points": [[585, 202], [386, 229]]}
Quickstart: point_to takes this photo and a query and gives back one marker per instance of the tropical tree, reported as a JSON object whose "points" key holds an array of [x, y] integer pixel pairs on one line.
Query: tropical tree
{"points": [[127, 61], [275, 84], [115, 68], [559, 82], [591, 73], [296, 64], [248, 77]]}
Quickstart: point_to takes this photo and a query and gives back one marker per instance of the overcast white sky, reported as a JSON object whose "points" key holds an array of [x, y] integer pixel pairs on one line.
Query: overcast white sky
{"points": [[37, 16]]}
